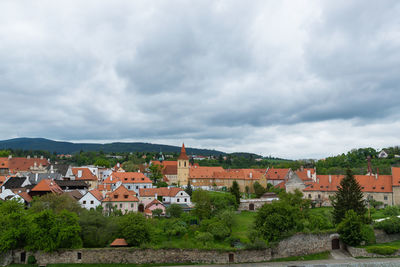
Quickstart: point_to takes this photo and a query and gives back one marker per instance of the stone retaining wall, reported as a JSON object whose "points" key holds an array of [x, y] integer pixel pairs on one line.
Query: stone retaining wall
{"points": [[382, 237], [297, 245], [362, 252]]}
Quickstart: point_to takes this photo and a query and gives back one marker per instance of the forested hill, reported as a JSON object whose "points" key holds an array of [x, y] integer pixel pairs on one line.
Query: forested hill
{"points": [[71, 148], [356, 159]]}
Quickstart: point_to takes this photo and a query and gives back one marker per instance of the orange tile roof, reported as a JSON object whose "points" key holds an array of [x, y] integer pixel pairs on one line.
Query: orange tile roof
{"points": [[3, 163], [23, 164], [276, 174], [203, 172], [220, 173], [281, 185], [25, 196], [97, 194], [3, 179], [121, 194], [368, 183], [127, 177], [165, 163], [104, 187], [183, 155], [153, 202], [162, 191], [119, 242], [303, 174], [47, 185], [396, 176], [87, 174]]}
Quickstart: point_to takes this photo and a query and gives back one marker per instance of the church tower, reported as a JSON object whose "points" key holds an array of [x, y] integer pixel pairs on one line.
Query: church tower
{"points": [[183, 167]]}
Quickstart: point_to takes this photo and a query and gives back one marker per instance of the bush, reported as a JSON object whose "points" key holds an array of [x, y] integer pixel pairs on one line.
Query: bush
{"points": [[204, 238], [319, 222], [350, 229], [368, 234], [174, 210], [258, 244], [391, 211], [135, 228], [390, 226], [31, 259], [382, 250], [219, 230]]}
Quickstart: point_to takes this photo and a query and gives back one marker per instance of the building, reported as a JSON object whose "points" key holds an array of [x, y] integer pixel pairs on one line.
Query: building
{"points": [[87, 174], [183, 167], [172, 195], [120, 199], [44, 187], [133, 181], [13, 165], [92, 199], [256, 203]]}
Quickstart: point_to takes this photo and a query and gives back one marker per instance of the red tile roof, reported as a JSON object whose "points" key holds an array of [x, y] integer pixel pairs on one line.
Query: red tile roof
{"points": [[396, 176], [302, 174], [165, 163], [281, 185], [368, 183], [3, 163], [203, 172], [47, 185], [119, 242], [25, 196], [220, 173], [104, 187], [170, 170], [21, 164], [183, 155], [162, 191], [121, 194], [87, 174], [276, 174], [153, 202], [97, 194], [127, 177]]}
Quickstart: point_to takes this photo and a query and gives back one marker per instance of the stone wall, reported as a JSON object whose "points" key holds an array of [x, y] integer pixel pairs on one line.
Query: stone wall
{"points": [[297, 245], [362, 252], [382, 237], [303, 244]]}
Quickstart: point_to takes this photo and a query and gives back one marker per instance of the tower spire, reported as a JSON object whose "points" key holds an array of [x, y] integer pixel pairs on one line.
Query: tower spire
{"points": [[183, 153]]}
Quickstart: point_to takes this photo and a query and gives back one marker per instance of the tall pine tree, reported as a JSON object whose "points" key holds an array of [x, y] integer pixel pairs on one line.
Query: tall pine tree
{"points": [[235, 190], [348, 197], [189, 189]]}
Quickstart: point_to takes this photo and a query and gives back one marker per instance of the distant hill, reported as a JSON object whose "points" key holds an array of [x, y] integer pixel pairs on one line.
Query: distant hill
{"points": [[71, 148]]}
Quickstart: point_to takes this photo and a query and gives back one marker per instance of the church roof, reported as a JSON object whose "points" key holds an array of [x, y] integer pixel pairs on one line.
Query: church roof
{"points": [[183, 155]]}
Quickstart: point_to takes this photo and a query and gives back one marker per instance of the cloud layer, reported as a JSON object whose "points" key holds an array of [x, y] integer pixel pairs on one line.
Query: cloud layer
{"points": [[294, 79]]}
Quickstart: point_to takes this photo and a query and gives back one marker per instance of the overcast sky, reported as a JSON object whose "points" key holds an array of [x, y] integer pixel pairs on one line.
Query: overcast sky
{"points": [[293, 79]]}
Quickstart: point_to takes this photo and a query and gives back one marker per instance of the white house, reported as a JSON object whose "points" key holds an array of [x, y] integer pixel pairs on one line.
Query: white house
{"points": [[91, 199], [173, 195], [133, 181]]}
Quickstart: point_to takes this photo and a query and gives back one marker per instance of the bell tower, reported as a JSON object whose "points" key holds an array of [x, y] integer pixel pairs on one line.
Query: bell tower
{"points": [[183, 167]]}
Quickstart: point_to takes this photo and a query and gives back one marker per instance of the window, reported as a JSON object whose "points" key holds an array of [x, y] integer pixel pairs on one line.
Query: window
{"points": [[309, 195], [120, 205], [178, 200], [382, 187], [79, 255], [137, 187], [385, 198], [115, 196], [131, 205], [319, 196], [373, 187], [125, 196], [181, 194], [144, 186], [129, 187], [91, 202], [185, 200], [84, 202], [163, 199]]}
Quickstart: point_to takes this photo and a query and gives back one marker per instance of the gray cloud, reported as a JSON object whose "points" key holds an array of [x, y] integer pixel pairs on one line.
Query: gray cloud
{"points": [[290, 78]]}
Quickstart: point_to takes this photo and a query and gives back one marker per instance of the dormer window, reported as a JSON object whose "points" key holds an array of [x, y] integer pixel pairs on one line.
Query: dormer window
{"points": [[115, 196], [125, 196], [382, 187], [373, 187], [142, 179], [322, 186], [126, 179]]}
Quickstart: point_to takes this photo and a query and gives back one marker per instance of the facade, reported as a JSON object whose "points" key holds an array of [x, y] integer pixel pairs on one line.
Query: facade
{"points": [[87, 174], [183, 167], [173, 195], [121, 199]]}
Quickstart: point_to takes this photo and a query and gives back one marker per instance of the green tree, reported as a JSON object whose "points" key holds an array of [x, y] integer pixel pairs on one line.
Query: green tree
{"points": [[259, 190], [202, 208], [157, 212], [156, 173], [14, 225], [102, 163], [235, 191], [204, 237], [275, 220], [174, 210], [134, 228], [189, 189], [350, 229], [348, 197], [56, 203]]}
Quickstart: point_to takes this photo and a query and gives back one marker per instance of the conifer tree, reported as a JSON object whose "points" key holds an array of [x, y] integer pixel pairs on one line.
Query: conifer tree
{"points": [[235, 191], [189, 189], [348, 197]]}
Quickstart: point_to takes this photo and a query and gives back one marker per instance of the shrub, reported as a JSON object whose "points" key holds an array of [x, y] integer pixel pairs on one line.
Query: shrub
{"points": [[219, 230], [204, 238], [390, 226], [350, 229], [31, 259], [135, 229], [382, 250], [368, 234], [391, 211], [320, 222], [258, 244]]}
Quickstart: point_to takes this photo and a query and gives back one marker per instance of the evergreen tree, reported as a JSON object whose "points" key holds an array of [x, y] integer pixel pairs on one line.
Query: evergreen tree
{"points": [[189, 189], [235, 191], [348, 197]]}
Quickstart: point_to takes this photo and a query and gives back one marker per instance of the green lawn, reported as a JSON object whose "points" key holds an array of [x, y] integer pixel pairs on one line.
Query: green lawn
{"points": [[244, 222], [395, 244]]}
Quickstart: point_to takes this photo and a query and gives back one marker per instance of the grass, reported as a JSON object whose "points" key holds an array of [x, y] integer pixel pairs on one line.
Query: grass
{"points": [[244, 222], [102, 265], [317, 256], [395, 244]]}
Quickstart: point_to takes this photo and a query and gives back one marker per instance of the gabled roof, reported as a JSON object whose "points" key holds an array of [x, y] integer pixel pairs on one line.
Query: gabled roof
{"points": [[276, 174], [86, 174], [121, 194], [25, 196], [281, 185], [368, 183], [71, 183], [97, 194], [165, 163], [104, 187], [3, 163], [47, 185], [25, 164], [153, 202], [14, 182], [170, 170], [396, 176], [35, 178], [203, 172], [127, 178], [75, 194], [303, 174], [162, 191]]}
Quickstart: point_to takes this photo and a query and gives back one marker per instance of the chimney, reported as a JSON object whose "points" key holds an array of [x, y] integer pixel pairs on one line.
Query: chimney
{"points": [[330, 178], [51, 169], [10, 157], [79, 173], [376, 176], [118, 165], [41, 157], [251, 175], [28, 157], [36, 177], [308, 174], [156, 196]]}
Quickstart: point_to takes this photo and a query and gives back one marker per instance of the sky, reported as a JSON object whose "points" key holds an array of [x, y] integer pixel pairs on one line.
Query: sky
{"points": [[291, 79]]}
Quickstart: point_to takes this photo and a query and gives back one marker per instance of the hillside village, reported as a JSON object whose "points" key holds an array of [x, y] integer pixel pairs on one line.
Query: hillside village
{"points": [[24, 178]]}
